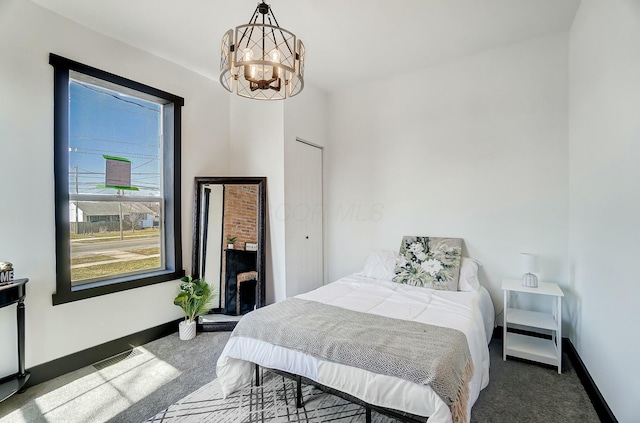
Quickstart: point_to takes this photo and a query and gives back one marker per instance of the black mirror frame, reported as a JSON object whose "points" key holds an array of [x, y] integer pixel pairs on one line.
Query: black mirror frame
{"points": [[261, 182]]}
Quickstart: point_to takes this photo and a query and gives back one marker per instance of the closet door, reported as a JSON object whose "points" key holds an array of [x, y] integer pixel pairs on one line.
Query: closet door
{"points": [[304, 252]]}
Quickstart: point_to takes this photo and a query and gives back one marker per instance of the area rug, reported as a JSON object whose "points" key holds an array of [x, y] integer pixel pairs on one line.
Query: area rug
{"points": [[273, 402]]}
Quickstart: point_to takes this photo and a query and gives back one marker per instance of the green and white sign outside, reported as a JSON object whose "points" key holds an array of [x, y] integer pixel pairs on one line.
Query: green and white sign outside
{"points": [[118, 173]]}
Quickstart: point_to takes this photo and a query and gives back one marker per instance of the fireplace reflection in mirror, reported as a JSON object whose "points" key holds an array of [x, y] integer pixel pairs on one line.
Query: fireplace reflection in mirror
{"points": [[230, 215]]}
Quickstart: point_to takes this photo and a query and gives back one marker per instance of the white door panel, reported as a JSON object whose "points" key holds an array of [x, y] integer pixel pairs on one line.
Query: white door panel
{"points": [[304, 219]]}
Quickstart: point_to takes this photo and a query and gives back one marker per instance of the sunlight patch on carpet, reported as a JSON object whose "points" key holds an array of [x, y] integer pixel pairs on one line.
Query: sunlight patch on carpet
{"points": [[100, 395]]}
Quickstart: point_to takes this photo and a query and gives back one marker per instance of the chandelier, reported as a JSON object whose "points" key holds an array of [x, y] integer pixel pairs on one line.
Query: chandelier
{"points": [[261, 60]]}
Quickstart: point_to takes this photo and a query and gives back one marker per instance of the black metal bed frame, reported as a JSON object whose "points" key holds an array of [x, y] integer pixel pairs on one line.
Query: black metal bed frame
{"points": [[396, 414]]}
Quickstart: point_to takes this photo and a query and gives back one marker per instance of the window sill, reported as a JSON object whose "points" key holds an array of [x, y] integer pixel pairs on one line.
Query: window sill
{"points": [[115, 285]]}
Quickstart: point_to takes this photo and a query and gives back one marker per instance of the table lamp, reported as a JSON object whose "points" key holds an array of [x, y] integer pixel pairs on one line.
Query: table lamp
{"points": [[529, 265]]}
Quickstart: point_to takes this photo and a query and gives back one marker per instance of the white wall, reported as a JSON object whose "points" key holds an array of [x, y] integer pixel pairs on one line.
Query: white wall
{"points": [[475, 148], [260, 132], [305, 117], [29, 33], [604, 139], [257, 149]]}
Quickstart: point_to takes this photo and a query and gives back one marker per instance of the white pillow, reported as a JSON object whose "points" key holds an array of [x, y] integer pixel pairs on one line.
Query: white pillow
{"points": [[380, 265], [469, 275]]}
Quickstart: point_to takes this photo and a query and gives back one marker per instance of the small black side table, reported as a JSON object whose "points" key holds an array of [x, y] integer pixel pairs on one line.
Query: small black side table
{"points": [[11, 294]]}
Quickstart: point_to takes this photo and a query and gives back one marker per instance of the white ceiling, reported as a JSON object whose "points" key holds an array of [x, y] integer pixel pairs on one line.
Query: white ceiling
{"points": [[347, 41]]}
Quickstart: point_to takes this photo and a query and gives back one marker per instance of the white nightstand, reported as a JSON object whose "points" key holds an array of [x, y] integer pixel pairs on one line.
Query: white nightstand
{"points": [[548, 351]]}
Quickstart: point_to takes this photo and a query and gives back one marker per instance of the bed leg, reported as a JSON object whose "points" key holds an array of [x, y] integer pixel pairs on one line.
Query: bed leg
{"points": [[257, 375], [368, 414], [298, 392]]}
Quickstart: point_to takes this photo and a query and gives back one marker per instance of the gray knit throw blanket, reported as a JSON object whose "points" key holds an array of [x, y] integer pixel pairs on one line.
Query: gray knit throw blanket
{"points": [[417, 352]]}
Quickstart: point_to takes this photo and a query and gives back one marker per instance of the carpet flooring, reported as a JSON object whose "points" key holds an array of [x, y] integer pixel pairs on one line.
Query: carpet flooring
{"points": [[274, 401], [163, 372]]}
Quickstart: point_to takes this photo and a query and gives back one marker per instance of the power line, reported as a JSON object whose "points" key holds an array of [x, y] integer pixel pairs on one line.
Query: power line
{"points": [[87, 138], [92, 172], [101, 153], [133, 174], [101, 105], [100, 91], [143, 164]]}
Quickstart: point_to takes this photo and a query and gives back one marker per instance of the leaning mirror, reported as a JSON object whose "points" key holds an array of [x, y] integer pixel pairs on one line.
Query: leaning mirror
{"points": [[228, 246]]}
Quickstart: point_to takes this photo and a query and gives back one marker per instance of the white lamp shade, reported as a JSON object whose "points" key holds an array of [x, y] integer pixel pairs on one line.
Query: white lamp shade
{"points": [[528, 262]]}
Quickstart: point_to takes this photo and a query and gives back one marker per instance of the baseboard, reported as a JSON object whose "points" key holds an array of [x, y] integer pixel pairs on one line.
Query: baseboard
{"points": [[599, 404], [58, 367]]}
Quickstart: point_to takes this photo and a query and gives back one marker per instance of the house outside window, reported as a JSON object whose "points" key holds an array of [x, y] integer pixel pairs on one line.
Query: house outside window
{"points": [[117, 182]]}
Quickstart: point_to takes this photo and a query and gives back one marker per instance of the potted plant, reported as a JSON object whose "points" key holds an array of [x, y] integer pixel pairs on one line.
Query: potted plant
{"points": [[195, 298], [231, 240]]}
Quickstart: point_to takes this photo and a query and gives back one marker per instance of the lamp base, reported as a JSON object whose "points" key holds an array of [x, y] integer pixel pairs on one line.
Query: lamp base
{"points": [[530, 280]]}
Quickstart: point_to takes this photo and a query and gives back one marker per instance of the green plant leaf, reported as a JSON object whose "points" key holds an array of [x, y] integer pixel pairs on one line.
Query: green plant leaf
{"points": [[195, 297]]}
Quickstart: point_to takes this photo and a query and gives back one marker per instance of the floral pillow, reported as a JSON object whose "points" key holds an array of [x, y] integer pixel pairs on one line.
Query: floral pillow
{"points": [[429, 262]]}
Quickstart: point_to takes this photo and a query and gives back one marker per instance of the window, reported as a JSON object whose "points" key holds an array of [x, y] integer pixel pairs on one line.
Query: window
{"points": [[117, 182]]}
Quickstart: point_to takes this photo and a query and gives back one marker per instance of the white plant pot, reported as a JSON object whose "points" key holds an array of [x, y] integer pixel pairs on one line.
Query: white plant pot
{"points": [[230, 246], [187, 330]]}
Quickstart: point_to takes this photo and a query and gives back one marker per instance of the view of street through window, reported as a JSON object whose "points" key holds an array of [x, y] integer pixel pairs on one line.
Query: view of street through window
{"points": [[105, 253]]}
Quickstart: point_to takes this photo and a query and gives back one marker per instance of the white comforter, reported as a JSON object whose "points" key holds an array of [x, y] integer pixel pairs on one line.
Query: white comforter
{"points": [[458, 310]]}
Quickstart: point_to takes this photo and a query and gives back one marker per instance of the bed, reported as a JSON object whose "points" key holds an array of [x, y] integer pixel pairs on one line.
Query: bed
{"points": [[470, 312]]}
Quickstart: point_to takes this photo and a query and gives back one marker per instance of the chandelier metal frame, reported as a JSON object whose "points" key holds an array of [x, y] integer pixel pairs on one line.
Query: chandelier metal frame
{"points": [[261, 60]]}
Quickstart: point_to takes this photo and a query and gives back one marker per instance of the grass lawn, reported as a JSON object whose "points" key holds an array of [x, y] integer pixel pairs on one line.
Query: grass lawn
{"points": [[91, 259], [145, 251], [112, 269], [109, 236]]}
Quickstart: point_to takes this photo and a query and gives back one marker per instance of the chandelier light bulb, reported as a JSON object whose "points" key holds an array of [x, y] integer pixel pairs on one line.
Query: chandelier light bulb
{"points": [[249, 70], [275, 56], [247, 54]]}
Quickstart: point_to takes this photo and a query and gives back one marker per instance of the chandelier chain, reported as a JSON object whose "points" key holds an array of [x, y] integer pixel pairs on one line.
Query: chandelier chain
{"points": [[263, 36]]}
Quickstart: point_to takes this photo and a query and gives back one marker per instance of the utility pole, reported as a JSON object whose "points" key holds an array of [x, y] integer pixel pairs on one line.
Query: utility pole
{"points": [[76, 171], [120, 208]]}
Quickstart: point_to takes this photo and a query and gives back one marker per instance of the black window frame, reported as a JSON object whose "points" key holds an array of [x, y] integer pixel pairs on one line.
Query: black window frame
{"points": [[172, 118]]}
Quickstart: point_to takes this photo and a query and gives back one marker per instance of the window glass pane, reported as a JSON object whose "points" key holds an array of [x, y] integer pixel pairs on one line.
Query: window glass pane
{"points": [[114, 239], [103, 122], [114, 152]]}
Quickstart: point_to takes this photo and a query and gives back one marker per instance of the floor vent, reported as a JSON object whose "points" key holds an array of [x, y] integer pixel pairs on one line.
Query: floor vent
{"points": [[116, 359]]}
